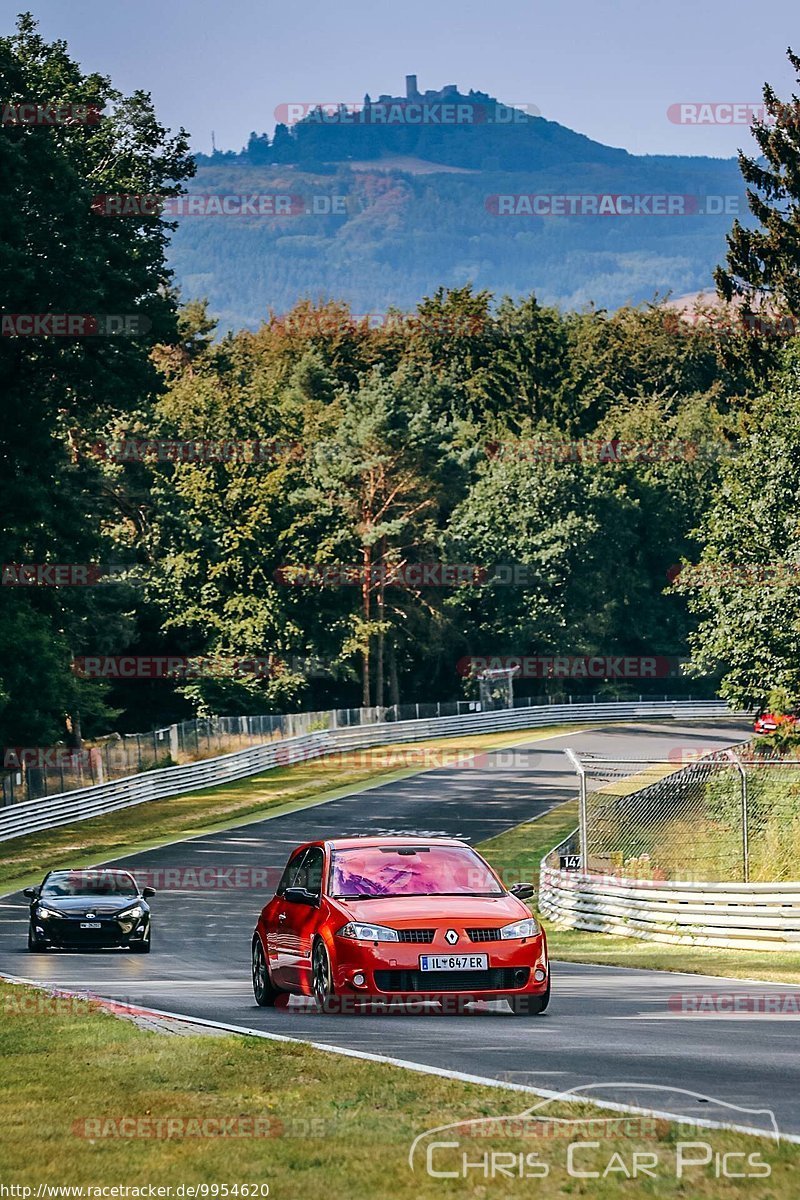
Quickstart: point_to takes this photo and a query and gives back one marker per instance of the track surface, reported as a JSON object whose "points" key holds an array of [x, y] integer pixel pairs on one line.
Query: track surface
{"points": [[609, 1028]]}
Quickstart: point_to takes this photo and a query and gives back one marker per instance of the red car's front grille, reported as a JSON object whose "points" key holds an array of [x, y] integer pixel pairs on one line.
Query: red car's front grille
{"points": [[495, 979], [483, 935], [424, 936]]}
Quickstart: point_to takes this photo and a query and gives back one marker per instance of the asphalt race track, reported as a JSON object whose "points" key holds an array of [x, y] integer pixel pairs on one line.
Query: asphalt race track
{"points": [[609, 1028]]}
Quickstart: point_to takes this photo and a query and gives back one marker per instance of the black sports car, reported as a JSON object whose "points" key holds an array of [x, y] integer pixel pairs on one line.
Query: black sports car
{"points": [[98, 907]]}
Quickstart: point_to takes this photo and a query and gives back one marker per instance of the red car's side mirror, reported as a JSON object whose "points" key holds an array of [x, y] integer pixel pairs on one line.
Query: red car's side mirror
{"points": [[300, 895]]}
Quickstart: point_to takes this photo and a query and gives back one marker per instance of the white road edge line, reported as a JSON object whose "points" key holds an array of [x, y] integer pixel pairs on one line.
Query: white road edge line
{"points": [[420, 1068]]}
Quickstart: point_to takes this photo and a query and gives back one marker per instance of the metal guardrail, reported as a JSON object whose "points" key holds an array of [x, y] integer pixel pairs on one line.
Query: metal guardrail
{"points": [[33, 816], [731, 916], [724, 914]]}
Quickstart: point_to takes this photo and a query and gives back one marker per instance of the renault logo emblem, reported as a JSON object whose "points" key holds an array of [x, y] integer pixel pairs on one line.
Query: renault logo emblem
{"points": [[451, 937], [90, 914]]}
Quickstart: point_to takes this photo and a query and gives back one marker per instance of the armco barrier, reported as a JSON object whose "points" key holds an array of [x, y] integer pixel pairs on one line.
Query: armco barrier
{"points": [[745, 916], [35, 815]]}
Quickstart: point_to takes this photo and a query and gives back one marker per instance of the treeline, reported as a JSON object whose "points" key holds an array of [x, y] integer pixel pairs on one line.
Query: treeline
{"points": [[265, 511], [324, 512]]}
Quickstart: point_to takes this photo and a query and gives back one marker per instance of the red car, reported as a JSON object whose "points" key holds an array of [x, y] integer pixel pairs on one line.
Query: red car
{"points": [[769, 722], [398, 919]]}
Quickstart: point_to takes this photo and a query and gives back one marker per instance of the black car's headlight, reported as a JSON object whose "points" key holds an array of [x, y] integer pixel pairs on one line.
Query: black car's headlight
{"points": [[46, 913], [131, 914]]}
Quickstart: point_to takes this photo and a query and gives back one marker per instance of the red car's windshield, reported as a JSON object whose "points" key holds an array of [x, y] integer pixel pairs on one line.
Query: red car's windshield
{"points": [[362, 871]]}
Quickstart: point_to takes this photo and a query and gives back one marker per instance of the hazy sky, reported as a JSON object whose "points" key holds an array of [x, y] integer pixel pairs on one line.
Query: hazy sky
{"points": [[607, 69]]}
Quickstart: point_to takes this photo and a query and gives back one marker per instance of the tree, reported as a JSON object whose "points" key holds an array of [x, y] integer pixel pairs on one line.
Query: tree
{"points": [[59, 256], [746, 587], [763, 263], [377, 480]]}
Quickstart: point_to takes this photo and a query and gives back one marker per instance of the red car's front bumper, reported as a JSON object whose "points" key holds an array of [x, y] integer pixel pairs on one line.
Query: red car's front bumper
{"points": [[392, 970]]}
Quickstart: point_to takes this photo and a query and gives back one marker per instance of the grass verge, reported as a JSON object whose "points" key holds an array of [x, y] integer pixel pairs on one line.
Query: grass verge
{"points": [[70, 1074], [85, 843], [518, 853]]}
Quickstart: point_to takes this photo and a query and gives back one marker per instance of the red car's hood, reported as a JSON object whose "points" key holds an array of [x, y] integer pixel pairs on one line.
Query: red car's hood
{"points": [[405, 912]]}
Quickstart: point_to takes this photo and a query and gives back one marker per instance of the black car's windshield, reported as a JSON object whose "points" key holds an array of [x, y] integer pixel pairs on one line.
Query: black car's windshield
{"points": [[89, 883]]}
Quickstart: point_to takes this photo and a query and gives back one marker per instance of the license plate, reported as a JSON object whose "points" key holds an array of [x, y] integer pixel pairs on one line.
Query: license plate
{"points": [[454, 962], [91, 925]]}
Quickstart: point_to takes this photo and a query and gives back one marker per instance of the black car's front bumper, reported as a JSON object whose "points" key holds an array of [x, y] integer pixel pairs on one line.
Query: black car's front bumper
{"points": [[66, 932]]}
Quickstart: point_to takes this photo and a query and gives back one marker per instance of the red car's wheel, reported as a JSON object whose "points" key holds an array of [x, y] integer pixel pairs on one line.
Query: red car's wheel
{"points": [[530, 1006], [264, 991], [322, 978]]}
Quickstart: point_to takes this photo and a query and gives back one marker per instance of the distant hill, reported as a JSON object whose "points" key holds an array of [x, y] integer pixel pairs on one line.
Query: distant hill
{"points": [[381, 204]]}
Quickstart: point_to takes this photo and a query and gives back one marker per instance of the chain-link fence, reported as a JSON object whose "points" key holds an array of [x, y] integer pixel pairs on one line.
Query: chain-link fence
{"points": [[727, 816], [36, 772]]}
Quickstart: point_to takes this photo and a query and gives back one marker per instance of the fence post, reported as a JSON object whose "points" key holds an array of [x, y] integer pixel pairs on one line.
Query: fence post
{"points": [[745, 839], [582, 824]]}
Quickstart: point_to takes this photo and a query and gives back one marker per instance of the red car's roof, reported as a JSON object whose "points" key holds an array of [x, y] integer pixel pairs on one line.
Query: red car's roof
{"points": [[345, 843]]}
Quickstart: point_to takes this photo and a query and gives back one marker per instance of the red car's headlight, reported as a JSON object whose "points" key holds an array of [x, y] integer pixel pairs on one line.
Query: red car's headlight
{"points": [[359, 931], [527, 927]]}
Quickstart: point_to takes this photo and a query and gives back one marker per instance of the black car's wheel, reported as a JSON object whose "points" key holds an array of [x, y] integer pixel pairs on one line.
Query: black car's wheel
{"points": [[264, 990], [142, 947], [322, 978], [34, 944], [530, 1006]]}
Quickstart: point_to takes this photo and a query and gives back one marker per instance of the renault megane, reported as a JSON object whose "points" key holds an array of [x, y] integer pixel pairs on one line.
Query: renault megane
{"points": [[398, 918]]}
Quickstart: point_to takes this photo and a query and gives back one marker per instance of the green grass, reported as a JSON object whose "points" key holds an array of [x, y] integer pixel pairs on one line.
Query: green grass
{"points": [[25, 859], [340, 1127], [517, 853]]}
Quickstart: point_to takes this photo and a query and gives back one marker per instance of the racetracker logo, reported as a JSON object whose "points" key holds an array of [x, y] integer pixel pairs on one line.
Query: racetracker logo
{"points": [[50, 574], [73, 325], [722, 112], [741, 575], [403, 112], [569, 666], [407, 575], [49, 114], [186, 450], [151, 1127], [217, 204], [328, 323], [187, 878], [610, 204], [771, 1004], [169, 666], [16, 758], [613, 451]]}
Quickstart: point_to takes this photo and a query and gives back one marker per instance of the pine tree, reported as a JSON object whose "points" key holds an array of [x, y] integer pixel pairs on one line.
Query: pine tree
{"points": [[763, 264]]}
